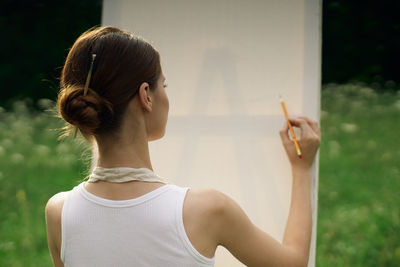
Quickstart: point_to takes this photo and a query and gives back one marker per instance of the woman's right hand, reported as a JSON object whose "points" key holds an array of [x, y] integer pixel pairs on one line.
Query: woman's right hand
{"points": [[309, 141]]}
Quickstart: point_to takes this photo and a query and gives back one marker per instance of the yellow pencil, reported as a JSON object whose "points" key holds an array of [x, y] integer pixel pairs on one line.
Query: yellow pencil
{"points": [[291, 130]]}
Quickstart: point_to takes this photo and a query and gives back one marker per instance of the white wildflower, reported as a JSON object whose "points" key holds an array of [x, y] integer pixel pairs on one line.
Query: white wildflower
{"points": [[22, 126], [62, 148], [17, 158], [45, 103], [7, 245], [20, 107], [324, 114], [367, 92], [7, 142], [349, 127], [356, 104], [386, 156], [42, 150], [397, 104], [67, 159], [334, 148]]}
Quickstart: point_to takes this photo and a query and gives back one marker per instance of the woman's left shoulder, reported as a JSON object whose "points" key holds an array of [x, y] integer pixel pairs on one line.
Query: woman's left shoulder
{"points": [[53, 213], [55, 204], [206, 203]]}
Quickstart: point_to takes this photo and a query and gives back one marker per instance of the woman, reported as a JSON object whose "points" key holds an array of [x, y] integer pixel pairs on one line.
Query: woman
{"points": [[112, 90]]}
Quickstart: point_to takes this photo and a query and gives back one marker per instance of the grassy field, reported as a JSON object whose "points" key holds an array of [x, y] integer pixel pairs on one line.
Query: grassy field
{"points": [[359, 199], [359, 182]]}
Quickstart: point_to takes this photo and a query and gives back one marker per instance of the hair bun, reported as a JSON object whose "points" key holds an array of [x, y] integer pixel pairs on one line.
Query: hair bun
{"points": [[87, 112]]}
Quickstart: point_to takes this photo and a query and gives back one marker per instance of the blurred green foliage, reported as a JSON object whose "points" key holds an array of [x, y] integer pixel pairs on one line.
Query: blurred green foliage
{"points": [[359, 181], [33, 166], [358, 214]]}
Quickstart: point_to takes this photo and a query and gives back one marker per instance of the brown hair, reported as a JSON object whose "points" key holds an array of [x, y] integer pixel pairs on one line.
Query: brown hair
{"points": [[123, 62]]}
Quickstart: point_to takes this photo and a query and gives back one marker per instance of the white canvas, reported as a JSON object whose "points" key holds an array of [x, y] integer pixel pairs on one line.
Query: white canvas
{"points": [[226, 62]]}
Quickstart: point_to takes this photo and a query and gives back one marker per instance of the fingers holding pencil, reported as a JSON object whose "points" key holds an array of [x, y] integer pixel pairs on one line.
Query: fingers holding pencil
{"points": [[309, 141], [307, 129], [298, 123], [313, 124]]}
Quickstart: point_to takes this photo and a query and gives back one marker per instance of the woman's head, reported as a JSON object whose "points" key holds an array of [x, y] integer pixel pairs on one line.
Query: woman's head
{"points": [[124, 65]]}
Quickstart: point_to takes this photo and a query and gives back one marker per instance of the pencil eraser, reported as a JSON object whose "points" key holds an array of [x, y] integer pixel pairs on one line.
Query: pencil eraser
{"points": [[300, 156]]}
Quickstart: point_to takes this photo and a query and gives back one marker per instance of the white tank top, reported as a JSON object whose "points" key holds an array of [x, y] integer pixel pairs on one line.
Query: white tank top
{"points": [[144, 231]]}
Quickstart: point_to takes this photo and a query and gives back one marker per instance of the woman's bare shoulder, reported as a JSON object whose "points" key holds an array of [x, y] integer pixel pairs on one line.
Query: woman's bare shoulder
{"points": [[54, 207], [210, 201], [206, 207], [201, 211], [56, 201]]}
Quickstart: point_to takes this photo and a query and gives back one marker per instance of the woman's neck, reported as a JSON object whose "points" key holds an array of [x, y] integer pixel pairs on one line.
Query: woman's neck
{"points": [[130, 152]]}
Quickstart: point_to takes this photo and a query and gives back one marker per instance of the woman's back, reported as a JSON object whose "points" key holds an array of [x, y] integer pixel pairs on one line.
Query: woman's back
{"points": [[149, 224]]}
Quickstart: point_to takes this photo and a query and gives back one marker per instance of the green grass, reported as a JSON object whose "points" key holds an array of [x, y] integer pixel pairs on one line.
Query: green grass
{"points": [[358, 215], [33, 166], [359, 181]]}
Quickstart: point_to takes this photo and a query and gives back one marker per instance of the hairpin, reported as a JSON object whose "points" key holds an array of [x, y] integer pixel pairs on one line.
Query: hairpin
{"points": [[87, 85], [89, 75]]}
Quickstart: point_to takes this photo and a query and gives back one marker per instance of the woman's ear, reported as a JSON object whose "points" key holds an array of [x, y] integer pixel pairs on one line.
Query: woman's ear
{"points": [[144, 97]]}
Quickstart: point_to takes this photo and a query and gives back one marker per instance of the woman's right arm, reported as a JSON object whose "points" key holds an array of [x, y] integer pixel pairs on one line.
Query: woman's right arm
{"points": [[251, 245], [53, 226]]}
